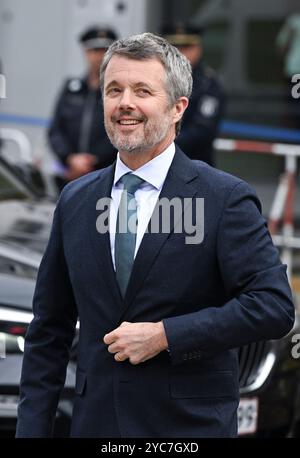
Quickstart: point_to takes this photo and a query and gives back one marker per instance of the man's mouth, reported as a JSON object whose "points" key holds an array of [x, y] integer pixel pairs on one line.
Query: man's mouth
{"points": [[129, 122]]}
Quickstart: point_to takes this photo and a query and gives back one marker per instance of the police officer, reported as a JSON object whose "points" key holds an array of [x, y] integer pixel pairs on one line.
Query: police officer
{"points": [[202, 117], [77, 135]]}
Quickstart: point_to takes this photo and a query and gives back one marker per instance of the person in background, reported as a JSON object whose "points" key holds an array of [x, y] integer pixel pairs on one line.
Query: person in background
{"points": [[77, 135], [206, 108]]}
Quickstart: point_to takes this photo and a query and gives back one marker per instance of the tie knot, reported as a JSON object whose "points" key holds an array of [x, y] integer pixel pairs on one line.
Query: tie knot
{"points": [[131, 182]]}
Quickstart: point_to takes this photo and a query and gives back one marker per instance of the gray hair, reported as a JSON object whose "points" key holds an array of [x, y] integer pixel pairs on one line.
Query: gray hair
{"points": [[179, 80]]}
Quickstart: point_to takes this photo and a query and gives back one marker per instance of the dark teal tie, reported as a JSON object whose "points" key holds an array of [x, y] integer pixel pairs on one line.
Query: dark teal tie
{"points": [[126, 230]]}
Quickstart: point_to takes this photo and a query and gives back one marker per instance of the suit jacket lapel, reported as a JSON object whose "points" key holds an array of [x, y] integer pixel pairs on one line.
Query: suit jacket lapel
{"points": [[178, 183], [101, 189]]}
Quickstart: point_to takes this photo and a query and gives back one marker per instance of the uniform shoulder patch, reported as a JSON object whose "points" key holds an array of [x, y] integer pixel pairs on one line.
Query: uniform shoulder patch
{"points": [[208, 106], [74, 85]]}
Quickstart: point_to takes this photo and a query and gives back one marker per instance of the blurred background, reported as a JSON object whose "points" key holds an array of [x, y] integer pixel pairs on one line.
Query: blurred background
{"points": [[253, 47]]}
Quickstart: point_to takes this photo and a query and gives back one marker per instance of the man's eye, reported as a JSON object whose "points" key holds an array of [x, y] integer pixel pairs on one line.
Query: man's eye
{"points": [[143, 91], [113, 90]]}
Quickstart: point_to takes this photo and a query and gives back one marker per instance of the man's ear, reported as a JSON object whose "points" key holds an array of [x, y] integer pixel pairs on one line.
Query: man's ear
{"points": [[179, 108]]}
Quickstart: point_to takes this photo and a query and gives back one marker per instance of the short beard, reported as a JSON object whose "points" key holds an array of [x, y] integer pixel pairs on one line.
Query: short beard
{"points": [[158, 133], [125, 147], [128, 147]]}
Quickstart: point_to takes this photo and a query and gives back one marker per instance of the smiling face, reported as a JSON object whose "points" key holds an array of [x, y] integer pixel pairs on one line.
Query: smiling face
{"points": [[137, 113]]}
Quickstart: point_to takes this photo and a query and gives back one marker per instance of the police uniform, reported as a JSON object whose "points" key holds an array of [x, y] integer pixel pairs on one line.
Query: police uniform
{"points": [[78, 121], [206, 105]]}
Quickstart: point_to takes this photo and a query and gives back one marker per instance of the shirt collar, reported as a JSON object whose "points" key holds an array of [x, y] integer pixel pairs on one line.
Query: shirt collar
{"points": [[153, 172]]}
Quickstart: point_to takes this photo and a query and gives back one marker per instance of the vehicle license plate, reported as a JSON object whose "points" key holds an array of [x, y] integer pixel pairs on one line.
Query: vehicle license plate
{"points": [[247, 416]]}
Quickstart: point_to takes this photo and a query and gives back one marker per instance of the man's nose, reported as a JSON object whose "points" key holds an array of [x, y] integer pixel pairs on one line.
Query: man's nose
{"points": [[127, 100]]}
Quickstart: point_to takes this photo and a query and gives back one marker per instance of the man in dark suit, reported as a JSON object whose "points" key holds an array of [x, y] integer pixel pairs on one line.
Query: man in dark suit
{"points": [[162, 305]]}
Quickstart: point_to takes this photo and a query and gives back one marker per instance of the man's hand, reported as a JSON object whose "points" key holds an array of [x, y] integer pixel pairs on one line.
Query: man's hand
{"points": [[79, 164], [136, 341]]}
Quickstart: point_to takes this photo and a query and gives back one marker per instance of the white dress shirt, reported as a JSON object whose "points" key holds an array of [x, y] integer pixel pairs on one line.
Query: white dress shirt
{"points": [[154, 173]]}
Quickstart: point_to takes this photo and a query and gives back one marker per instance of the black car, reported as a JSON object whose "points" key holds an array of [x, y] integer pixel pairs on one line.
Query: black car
{"points": [[25, 222], [16, 293], [25, 214], [270, 388]]}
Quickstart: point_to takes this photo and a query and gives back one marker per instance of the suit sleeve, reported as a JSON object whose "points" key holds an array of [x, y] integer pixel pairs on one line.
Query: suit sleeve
{"points": [[48, 341], [259, 305]]}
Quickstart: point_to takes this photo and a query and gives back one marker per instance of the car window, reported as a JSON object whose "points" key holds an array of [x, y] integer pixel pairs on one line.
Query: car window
{"points": [[9, 186], [16, 268]]}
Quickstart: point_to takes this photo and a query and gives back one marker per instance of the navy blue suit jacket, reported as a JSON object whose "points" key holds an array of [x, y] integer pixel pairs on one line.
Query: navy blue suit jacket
{"points": [[213, 297]]}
